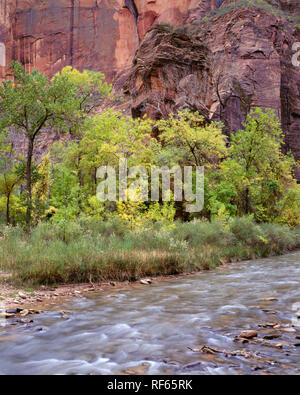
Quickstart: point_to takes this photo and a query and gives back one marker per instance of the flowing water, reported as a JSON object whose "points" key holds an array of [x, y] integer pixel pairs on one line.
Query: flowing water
{"points": [[148, 329]]}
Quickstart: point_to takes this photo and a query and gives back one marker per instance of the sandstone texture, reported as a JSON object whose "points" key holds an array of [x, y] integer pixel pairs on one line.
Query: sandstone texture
{"points": [[102, 35], [222, 67], [88, 34], [165, 56]]}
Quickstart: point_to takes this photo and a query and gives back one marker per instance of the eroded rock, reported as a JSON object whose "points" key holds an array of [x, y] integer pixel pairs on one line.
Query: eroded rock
{"points": [[222, 68], [248, 334]]}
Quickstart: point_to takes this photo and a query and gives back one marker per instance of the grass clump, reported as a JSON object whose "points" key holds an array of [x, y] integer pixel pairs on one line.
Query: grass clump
{"points": [[93, 250], [263, 5]]}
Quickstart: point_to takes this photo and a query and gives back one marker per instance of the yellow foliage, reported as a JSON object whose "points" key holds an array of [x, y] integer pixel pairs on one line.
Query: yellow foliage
{"points": [[136, 214], [41, 188]]}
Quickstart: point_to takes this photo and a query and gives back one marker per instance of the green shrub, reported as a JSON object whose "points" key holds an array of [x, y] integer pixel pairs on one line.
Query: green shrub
{"points": [[93, 250]]}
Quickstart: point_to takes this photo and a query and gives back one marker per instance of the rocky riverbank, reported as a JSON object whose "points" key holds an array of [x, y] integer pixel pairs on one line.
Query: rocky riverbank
{"points": [[239, 319], [16, 299]]}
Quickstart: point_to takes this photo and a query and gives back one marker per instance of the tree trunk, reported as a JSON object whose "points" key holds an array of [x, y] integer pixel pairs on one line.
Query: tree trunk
{"points": [[49, 189], [95, 180], [28, 182], [212, 4], [81, 183], [247, 203], [8, 209]]}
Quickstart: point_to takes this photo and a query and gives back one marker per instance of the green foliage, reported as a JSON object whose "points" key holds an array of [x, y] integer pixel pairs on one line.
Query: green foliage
{"points": [[17, 209], [41, 189], [31, 103], [90, 92], [220, 200], [89, 249], [263, 5], [111, 136], [187, 139], [137, 214], [257, 172], [64, 194], [10, 178]]}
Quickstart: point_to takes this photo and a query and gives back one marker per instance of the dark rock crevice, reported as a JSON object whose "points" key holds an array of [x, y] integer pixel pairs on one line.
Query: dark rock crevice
{"points": [[72, 17], [130, 4]]}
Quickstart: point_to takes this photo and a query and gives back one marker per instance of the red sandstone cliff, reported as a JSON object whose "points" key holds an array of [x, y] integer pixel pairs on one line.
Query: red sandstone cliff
{"points": [[222, 66], [102, 35]]}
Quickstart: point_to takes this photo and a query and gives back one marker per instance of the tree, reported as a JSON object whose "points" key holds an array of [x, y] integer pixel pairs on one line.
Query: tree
{"points": [[105, 139], [41, 189], [187, 139], [257, 168], [31, 104], [64, 193], [69, 155], [110, 136], [8, 182], [92, 91]]}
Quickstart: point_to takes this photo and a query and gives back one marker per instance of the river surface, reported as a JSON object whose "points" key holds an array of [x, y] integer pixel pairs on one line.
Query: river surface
{"points": [[148, 329]]}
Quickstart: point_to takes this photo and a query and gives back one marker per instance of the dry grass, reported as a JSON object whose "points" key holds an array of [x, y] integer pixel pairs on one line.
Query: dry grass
{"points": [[96, 251]]}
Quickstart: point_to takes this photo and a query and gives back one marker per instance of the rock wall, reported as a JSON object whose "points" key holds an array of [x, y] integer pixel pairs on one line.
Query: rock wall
{"points": [[102, 35], [98, 35], [222, 68]]}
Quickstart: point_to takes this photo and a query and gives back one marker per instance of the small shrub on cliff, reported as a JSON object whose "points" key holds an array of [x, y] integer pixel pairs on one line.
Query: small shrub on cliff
{"points": [[263, 5]]}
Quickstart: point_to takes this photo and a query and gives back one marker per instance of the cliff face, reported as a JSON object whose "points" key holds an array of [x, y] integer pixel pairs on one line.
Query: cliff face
{"points": [[102, 35], [222, 66], [48, 35]]}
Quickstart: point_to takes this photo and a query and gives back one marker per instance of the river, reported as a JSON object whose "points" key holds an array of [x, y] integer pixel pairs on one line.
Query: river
{"points": [[149, 329]]}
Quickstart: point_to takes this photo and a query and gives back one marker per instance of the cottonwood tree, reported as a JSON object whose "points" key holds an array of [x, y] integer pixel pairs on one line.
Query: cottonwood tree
{"points": [[32, 104], [188, 139], [258, 169]]}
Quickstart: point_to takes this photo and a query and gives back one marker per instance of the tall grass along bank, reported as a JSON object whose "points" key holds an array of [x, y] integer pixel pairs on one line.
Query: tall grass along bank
{"points": [[93, 250]]}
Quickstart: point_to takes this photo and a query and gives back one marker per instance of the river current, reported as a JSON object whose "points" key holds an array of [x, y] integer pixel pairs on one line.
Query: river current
{"points": [[160, 328]]}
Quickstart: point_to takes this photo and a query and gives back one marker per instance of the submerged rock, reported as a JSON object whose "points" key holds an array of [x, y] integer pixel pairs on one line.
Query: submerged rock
{"points": [[14, 311], [138, 370], [249, 334], [272, 336]]}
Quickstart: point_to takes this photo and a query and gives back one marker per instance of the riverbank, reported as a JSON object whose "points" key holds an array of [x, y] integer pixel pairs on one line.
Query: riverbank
{"points": [[46, 298], [237, 319], [67, 260]]}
